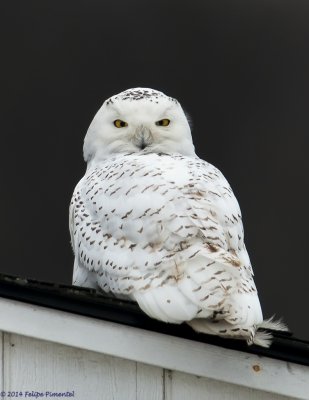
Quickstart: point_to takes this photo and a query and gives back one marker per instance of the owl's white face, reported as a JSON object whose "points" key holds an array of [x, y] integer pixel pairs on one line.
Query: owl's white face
{"points": [[138, 120]]}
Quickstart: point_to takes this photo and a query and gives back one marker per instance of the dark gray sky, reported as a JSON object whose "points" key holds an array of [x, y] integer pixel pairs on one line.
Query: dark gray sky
{"points": [[241, 71]]}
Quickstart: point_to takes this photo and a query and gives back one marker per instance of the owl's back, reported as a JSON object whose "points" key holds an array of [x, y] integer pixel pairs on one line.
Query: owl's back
{"points": [[166, 231]]}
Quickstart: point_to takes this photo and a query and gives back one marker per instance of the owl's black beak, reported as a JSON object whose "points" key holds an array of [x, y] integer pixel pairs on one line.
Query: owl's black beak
{"points": [[142, 137], [143, 144]]}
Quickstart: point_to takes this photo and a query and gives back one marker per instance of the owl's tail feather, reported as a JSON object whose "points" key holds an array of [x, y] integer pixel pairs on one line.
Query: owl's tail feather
{"points": [[261, 338], [252, 334], [264, 338], [273, 325]]}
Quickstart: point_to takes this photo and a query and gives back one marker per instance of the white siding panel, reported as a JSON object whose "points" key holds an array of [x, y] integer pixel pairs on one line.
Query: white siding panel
{"points": [[36, 365], [180, 386], [43, 366], [2, 361], [149, 382], [163, 351]]}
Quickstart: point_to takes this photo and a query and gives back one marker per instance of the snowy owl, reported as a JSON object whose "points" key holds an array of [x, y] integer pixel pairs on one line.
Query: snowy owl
{"points": [[152, 222]]}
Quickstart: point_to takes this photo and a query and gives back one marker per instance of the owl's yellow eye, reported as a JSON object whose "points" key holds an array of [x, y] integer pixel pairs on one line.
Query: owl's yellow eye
{"points": [[163, 122], [120, 124]]}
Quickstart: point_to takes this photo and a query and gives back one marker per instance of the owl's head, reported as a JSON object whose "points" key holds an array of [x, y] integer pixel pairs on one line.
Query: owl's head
{"points": [[138, 120]]}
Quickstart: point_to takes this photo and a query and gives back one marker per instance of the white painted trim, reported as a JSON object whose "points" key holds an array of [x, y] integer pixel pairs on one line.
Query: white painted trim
{"points": [[157, 349]]}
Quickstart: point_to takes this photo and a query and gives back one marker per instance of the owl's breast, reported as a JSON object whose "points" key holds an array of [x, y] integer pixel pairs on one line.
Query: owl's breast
{"points": [[132, 196]]}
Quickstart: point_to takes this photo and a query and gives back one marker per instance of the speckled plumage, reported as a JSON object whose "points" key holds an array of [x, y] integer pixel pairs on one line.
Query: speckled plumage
{"points": [[162, 227]]}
